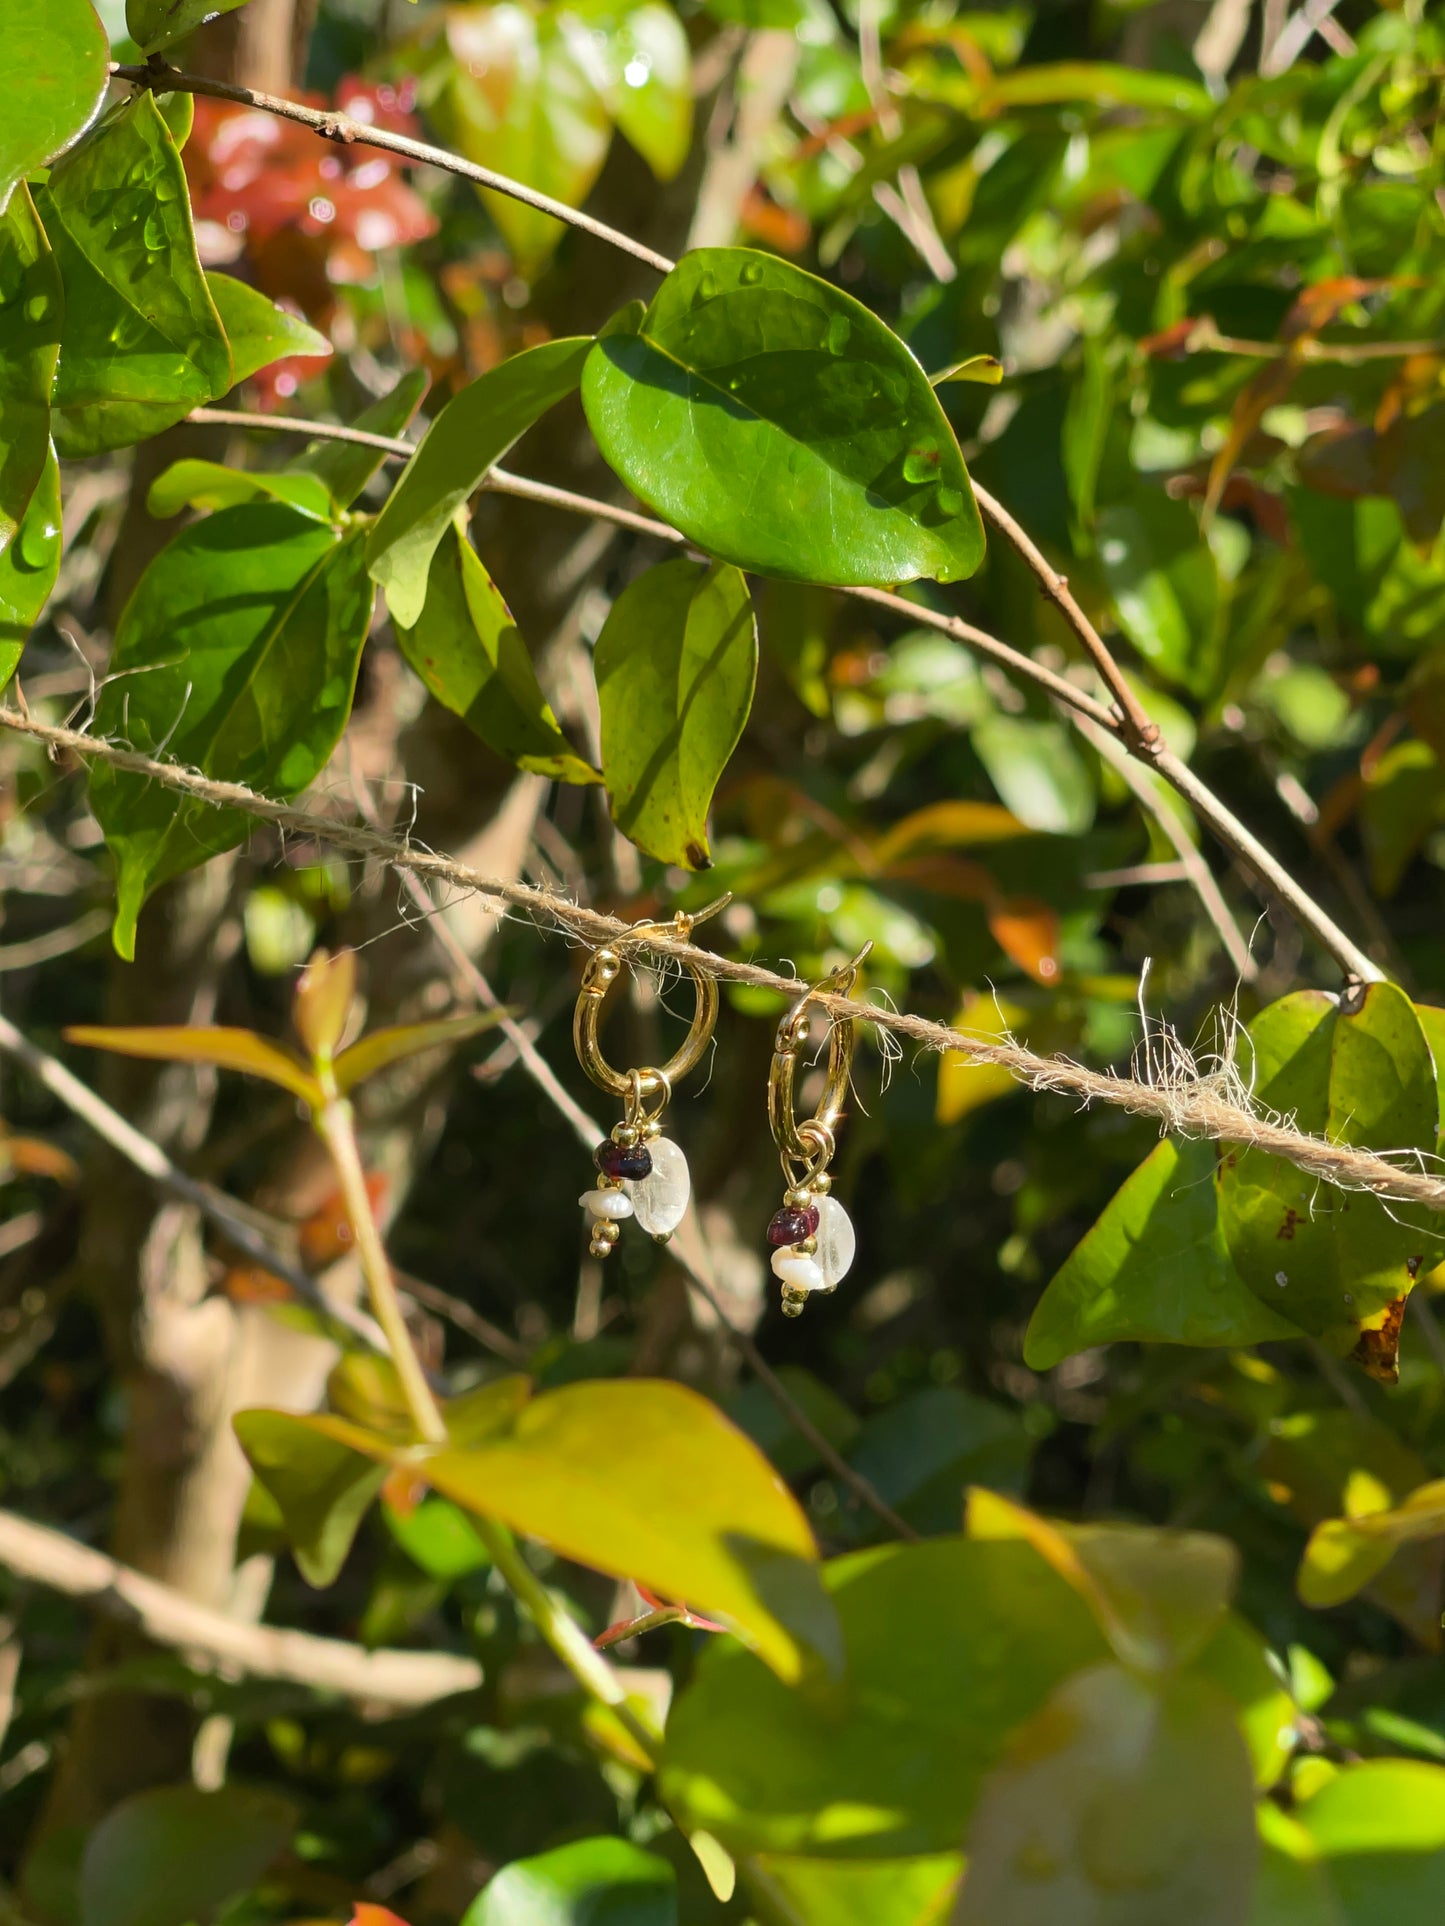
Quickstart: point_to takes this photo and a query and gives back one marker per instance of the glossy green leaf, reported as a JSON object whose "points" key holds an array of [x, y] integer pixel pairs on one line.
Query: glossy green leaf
{"points": [[209, 485], [1122, 1800], [646, 78], [60, 48], [1339, 1264], [984, 369], [227, 1049], [1345, 1554], [472, 432], [522, 97], [31, 305], [949, 1645], [29, 567], [471, 656], [591, 1882], [855, 1892], [315, 1469], [173, 1855], [249, 630], [438, 1537], [142, 342], [780, 425], [1164, 583], [346, 467], [1154, 1269], [378, 1050], [258, 331], [675, 663], [647, 1480], [1037, 771], [1367, 1848], [154, 24]]}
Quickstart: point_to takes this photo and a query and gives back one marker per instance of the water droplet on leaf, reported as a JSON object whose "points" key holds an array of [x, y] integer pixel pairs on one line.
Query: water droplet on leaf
{"points": [[950, 500], [707, 287], [839, 329], [751, 274], [920, 464]]}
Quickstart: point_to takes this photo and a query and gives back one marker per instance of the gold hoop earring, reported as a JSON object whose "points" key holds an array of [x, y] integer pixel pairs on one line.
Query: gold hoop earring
{"points": [[812, 1237], [641, 1173]]}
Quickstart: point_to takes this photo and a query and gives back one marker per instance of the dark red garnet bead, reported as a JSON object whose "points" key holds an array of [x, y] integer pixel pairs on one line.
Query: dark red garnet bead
{"points": [[623, 1160], [792, 1224]]}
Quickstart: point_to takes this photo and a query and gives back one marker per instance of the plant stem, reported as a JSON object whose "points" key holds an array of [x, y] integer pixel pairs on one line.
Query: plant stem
{"points": [[336, 1125]]}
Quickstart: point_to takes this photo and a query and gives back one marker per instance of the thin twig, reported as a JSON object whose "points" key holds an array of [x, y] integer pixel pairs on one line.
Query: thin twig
{"points": [[152, 1162], [348, 132], [397, 1679], [1221, 820], [1193, 1109]]}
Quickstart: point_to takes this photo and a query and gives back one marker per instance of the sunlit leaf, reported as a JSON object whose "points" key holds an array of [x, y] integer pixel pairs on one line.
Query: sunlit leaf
{"points": [[209, 485], [228, 1049], [645, 77], [1339, 1264], [1154, 1268], [174, 1854], [675, 665], [468, 651], [1098, 84], [964, 1084], [323, 1000], [1038, 773], [984, 369], [31, 305], [154, 24], [60, 48], [345, 467], [249, 630], [323, 1474], [259, 332], [591, 1882], [1366, 1847], [779, 424], [471, 433], [858, 1892], [379, 1049], [1344, 1554], [1123, 1799], [29, 567], [142, 343], [1164, 582]]}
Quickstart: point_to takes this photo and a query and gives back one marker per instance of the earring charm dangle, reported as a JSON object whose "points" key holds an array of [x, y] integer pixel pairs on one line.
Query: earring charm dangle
{"points": [[641, 1173], [812, 1237]]}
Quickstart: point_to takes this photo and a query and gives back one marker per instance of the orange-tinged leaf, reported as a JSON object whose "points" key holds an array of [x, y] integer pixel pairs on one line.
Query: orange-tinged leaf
{"points": [[33, 1157], [369, 1915], [948, 825], [1028, 934], [227, 1049], [384, 1047], [326, 1234], [325, 993]]}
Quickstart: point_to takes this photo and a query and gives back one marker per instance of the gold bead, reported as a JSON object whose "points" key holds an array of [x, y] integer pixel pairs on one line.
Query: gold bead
{"points": [[598, 1250], [821, 1184], [809, 1247], [604, 1182], [793, 1302], [652, 1128], [606, 1232], [798, 1199], [626, 1135]]}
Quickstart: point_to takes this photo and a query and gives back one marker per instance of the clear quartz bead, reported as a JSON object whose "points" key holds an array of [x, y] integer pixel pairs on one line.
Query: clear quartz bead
{"points": [[659, 1201], [837, 1241]]}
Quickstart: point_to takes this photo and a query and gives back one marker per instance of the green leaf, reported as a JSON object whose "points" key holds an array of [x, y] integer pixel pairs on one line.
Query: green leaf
{"points": [[1123, 1800], [781, 425], [984, 369], [60, 49], [31, 305], [855, 1892], [323, 1480], [1164, 581], [471, 656], [1038, 773], [209, 485], [646, 78], [248, 629], [382, 1048], [647, 1480], [153, 24], [522, 96], [675, 663], [753, 1410], [1404, 795], [949, 1645], [173, 1855], [345, 467], [591, 1882], [29, 567], [1367, 1848], [1154, 1269], [473, 431], [438, 1537], [1345, 1554], [258, 331], [142, 342], [226, 1048], [1339, 1264], [1099, 84], [923, 1451]]}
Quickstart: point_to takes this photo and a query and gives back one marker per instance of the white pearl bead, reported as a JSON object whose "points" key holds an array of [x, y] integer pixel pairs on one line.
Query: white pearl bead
{"points": [[802, 1273], [606, 1203]]}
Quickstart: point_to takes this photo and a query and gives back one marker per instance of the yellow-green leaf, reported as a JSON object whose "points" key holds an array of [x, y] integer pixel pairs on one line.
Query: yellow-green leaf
{"points": [[228, 1049], [382, 1048]]}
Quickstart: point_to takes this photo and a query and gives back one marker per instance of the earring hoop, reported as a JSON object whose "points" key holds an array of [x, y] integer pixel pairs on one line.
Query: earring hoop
{"points": [[812, 1236], [642, 1174]]}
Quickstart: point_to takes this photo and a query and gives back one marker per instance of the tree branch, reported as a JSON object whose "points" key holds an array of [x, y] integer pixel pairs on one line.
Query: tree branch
{"points": [[168, 1617], [1186, 1106], [349, 132]]}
